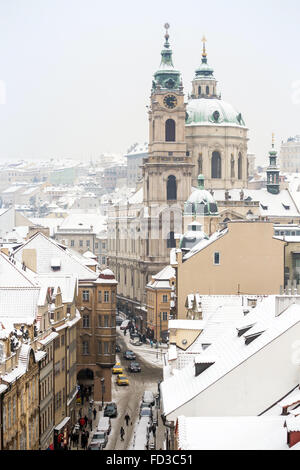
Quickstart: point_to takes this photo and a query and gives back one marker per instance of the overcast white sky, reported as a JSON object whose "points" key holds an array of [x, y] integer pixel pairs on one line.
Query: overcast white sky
{"points": [[78, 73]]}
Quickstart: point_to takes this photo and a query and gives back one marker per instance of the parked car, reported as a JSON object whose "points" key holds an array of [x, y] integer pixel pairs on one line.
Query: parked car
{"points": [[148, 398], [129, 355], [117, 369], [144, 405], [122, 380], [134, 367], [146, 411], [118, 348], [124, 325], [99, 438], [135, 342], [111, 410], [95, 446], [134, 335], [104, 425]]}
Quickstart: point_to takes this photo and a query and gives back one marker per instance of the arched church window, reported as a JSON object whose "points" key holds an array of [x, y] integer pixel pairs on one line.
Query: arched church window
{"points": [[207, 90], [216, 166], [200, 164], [171, 242], [232, 173], [240, 167], [199, 90], [171, 188], [170, 130]]}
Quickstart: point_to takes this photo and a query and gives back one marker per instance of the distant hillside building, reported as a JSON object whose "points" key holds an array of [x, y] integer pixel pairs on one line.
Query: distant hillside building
{"points": [[290, 155], [135, 155]]}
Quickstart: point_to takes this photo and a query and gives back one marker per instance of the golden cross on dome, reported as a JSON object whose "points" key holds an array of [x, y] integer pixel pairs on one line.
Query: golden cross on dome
{"points": [[204, 40], [167, 26]]}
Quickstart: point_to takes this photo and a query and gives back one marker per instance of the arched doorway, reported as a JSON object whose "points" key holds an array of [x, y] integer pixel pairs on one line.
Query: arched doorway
{"points": [[85, 381]]}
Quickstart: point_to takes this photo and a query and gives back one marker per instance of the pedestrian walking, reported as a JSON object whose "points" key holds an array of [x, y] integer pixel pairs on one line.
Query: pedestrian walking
{"points": [[85, 419], [91, 423], [80, 412], [122, 432], [151, 343], [94, 413], [153, 430], [127, 418], [83, 440], [82, 423]]}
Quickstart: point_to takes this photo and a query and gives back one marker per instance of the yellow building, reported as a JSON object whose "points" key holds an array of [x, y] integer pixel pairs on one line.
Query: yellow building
{"points": [[160, 303], [19, 385], [244, 258]]}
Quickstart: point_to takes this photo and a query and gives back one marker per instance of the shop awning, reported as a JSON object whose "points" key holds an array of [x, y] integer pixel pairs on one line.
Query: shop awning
{"points": [[62, 423]]}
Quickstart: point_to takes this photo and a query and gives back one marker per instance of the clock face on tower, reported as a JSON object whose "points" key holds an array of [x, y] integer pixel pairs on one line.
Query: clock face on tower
{"points": [[170, 101]]}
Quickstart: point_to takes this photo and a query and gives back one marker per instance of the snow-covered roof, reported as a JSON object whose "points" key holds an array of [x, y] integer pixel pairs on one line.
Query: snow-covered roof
{"points": [[204, 243], [66, 282], [271, 205], [46, 249], [232, 433], [187, 324], [230, 351]]}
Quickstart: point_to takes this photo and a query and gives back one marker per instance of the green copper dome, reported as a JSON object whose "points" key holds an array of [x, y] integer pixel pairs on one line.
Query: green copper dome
{"points": [[201, 201], [212, 111]]}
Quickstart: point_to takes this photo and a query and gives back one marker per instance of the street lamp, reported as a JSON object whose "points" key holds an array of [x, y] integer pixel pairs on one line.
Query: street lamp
{"points": [[103, 389]]}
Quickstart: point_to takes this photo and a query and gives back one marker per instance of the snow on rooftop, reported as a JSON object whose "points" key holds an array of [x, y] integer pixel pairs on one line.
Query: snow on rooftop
{"points": [[230, 351], [232, 433], [281, 204]]}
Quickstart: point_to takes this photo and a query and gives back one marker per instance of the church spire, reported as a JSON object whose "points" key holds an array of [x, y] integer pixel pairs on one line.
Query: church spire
{"points": [[166, 77], [204, 83], [273, 185]]}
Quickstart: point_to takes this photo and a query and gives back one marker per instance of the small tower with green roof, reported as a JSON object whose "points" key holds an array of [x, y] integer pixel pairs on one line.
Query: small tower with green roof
{"points": [[204, 84], [273, 184]]}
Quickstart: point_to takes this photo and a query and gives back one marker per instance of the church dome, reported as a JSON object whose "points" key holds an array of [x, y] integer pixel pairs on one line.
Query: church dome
{"points": [[212, 111], [193, 236], [201, 201]]}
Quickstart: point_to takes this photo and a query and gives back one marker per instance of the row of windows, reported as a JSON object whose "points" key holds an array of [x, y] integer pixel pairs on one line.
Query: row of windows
{"points": [[46, 418], [60, 398], [46, 386], [104, 321], [105, 296], [59, 341], [10, 408], [103, 347]]}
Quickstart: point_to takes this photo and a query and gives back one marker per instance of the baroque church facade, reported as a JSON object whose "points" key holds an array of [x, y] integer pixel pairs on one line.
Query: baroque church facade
{"points": [[205, 135]]}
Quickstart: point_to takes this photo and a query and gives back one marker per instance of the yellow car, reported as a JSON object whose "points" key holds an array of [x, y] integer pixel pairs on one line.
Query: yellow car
{"points": [[122, 380], [117, 369]]}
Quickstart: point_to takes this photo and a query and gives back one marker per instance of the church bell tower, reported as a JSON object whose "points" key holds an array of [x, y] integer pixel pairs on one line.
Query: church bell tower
{"points": [[167, 171]]}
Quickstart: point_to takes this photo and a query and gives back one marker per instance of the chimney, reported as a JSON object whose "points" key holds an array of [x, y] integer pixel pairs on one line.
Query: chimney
{"points": [[292, 425]]}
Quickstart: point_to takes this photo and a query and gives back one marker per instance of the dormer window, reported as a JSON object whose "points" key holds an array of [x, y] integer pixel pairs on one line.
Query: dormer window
{"points": [[202, 365], [250, 338], [287, 208], [265, 208], [55, 264], [244, 329]]}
